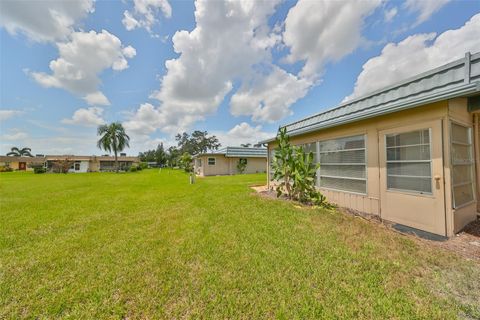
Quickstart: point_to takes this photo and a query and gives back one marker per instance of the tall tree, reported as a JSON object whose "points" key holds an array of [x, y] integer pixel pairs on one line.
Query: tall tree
{"points": [[198, 142], [113, 138], [172, 156], [17, 152], [160, 155]]}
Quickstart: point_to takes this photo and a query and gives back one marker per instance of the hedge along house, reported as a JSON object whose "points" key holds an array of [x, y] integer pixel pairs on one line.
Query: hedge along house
{"points": [[225, 161], [409, 153]]}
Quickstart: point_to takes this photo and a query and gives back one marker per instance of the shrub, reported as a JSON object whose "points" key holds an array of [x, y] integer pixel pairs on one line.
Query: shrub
{"points": [[186, 162], [139, 168], [39, 170], [143, 165], [295, 172], [133, 169], [241, 165]]}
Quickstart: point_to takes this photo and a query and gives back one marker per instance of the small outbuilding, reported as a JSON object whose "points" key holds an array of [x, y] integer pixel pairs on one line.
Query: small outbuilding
{"points": [[408, 153], [231, 160]]}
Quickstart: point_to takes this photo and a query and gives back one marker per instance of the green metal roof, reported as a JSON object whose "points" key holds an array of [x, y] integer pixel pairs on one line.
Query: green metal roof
{"points": [[459, 78], [239, 152]]}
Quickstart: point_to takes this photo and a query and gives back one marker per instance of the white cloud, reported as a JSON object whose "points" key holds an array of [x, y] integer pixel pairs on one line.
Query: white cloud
{"points": [[80, 62], [416, 54], [96, 99], [231, 42], [7, 114], [390, 14], [241, 134], [319, 32], [88, 117], [424, 8], [43, 21], [144, 13], [14, 135], [144, 121], [268, 98]]}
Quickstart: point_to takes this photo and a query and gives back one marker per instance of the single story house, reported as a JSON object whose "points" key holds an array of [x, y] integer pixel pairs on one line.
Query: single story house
{"points": [[20, 163], [225, 161], [92, 163], [409, 153]]}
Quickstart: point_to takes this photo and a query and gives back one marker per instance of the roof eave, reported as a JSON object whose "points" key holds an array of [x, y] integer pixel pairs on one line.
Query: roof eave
{"points": [[458, 91]]}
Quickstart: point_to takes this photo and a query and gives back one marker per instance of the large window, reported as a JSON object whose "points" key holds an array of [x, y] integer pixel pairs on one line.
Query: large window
{"points": [[271, 156], [311, 147], [462, 165], [409, 161], [343, 164]]}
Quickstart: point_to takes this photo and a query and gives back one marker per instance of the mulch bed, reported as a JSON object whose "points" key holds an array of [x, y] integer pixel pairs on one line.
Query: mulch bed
{"points": [[466, 243]]}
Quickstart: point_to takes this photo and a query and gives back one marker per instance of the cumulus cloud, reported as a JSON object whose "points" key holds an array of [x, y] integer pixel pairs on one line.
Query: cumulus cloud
{"points": [[144, 14], [81, 60], [416, 54], [242, 133], [231, 42], [268, 98], [7, 114], [88, 117], [318, 32], [424, 8], [43, 21]]}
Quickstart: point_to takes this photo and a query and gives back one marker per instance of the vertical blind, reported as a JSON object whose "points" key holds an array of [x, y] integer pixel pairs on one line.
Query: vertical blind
{"points": [[462, 164], [343, 164], [409, 161]]}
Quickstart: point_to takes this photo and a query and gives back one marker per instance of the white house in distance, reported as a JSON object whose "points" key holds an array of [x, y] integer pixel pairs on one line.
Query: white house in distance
{"points": [[225, 161]]}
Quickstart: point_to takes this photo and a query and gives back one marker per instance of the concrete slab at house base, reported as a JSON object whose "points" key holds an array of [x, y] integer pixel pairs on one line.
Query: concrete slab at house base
{"points": [[419, 233]]}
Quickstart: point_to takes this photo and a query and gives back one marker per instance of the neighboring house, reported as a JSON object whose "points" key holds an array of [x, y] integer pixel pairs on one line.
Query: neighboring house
{"points": [[21, 163], [409, 153], [92, 163], [225, 161]]}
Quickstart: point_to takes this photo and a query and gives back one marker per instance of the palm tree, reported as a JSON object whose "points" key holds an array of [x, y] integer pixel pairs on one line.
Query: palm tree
{"points": [[16, 152], [113, 138]]}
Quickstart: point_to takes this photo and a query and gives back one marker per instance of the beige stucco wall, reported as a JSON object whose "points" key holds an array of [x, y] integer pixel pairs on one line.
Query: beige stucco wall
{"points": [[228, 166], [11, 164], [442, 111]]}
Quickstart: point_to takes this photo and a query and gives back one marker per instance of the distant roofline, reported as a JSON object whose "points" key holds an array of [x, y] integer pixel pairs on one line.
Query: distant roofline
{"points": [[225, 150]]}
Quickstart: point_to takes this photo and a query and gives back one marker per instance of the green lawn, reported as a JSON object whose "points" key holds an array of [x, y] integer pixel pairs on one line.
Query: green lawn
{"points": [[149, 245]]}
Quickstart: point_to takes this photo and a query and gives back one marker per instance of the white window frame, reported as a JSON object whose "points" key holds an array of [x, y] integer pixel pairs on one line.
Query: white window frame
{"points": [[420, 193], [214, 161], [365, 164], [472, 164]]}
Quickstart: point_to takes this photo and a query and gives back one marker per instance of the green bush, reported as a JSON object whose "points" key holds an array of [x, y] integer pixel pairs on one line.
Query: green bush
{"points": [[142, 165], [39, 170], [139, 168], [133, 169]]}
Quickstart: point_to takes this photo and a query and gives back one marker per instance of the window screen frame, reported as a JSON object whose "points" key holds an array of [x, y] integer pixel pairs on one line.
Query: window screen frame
{"points": [[406, 191], [472, 164], [214, 161], [365, 164]]}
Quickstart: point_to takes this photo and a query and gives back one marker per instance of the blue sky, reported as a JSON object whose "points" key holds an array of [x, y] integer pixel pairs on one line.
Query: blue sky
{"points": [[235, 69]]}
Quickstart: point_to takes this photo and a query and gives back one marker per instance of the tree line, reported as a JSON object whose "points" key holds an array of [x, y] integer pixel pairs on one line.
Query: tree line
{"points": [[187, 146]]}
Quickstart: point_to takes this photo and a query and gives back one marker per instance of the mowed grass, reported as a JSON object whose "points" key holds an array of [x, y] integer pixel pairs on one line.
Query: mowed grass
{"points": [[150, 245]]}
